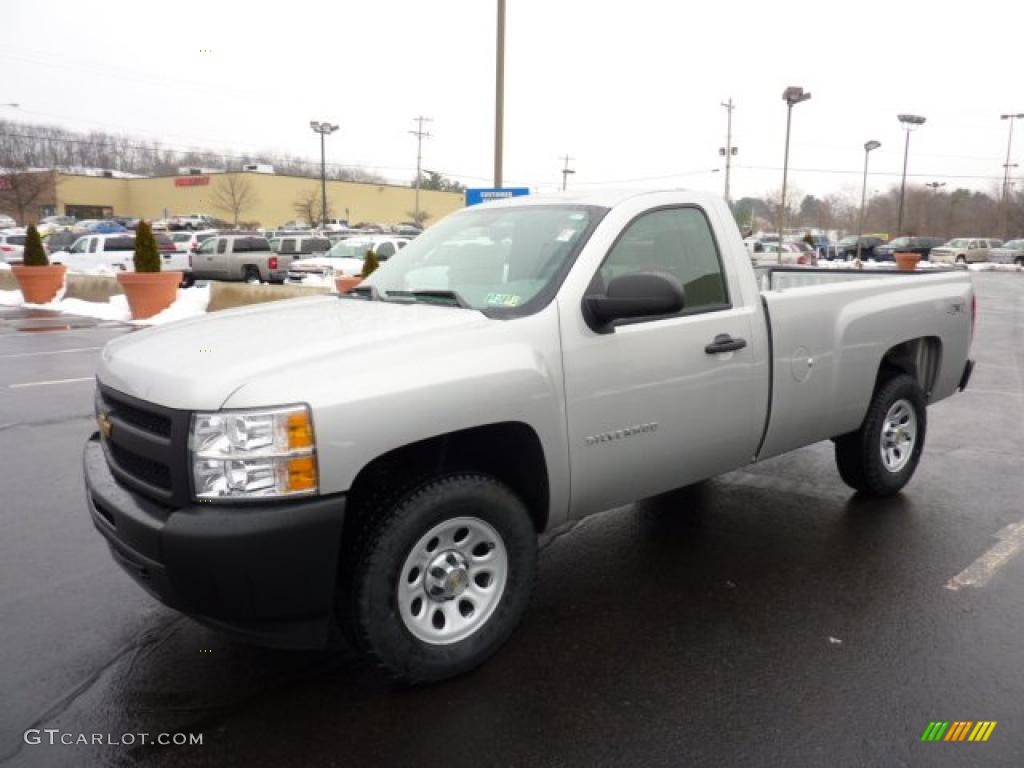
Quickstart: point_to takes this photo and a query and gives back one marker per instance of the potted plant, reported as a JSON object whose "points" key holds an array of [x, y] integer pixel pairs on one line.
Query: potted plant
{"points": [[346, 283], [149, 290], [38, 279], [906, 261]]}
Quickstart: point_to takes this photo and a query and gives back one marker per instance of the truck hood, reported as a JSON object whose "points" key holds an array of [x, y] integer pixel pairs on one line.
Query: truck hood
{"points": [[199, 363]]}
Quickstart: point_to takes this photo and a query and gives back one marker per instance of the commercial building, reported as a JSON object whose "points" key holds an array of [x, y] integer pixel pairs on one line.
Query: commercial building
{"points": [[269, 200]]}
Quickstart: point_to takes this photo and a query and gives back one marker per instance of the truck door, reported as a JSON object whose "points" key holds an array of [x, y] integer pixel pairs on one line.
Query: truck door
{"points": [[202, 260], [654, 405]]}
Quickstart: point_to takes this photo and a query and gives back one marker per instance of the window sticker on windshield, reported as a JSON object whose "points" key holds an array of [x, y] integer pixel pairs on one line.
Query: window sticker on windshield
{"points": [[565, 235], [504, 299]]}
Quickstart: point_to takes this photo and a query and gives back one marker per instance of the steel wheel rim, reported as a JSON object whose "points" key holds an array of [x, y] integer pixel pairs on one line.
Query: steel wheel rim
{"points": [[452, 580], [899, 435]]}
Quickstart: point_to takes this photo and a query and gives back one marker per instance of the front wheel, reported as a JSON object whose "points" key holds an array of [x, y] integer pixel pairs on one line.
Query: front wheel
{"points": [[443, 575], [880, 458]]}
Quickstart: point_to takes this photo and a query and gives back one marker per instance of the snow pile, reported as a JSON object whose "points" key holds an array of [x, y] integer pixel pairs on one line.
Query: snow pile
{"points": [[318, 281], [989, 266], [191, 302], [4, 265]]}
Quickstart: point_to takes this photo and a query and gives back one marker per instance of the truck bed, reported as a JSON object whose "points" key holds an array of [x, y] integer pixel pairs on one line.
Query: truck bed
{"points": [[830, 329]]}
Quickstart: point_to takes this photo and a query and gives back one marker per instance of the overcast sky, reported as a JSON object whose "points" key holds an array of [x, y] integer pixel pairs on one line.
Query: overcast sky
{"points": [[630, 90]]}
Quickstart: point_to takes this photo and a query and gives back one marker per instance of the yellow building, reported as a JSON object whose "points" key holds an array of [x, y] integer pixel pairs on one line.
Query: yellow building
{"points": [[269, 199]]}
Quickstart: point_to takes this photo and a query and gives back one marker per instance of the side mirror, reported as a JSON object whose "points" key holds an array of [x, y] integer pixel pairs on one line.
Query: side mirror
{"points": [[639, 294]]}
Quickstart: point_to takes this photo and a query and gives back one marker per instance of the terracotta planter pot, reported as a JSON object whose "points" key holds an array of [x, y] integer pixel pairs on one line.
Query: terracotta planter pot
{"points": [[907, 261], [346, 283], [39, 285], [149, 293]]}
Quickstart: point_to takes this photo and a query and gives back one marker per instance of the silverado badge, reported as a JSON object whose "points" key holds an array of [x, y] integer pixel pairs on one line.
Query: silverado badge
{"points": [[105, 424]]}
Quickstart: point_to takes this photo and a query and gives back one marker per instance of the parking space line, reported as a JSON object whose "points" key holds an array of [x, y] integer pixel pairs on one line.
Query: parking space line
{"points": [[978, 573], [55, 352], [47, 383]]}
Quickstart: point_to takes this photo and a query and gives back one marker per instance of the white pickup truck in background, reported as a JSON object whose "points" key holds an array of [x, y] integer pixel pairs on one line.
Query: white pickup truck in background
{"points": [[383, 463], [115, 252]]}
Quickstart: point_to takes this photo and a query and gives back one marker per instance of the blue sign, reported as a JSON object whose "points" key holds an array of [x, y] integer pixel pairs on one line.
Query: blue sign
{"points": [[476, 196]]}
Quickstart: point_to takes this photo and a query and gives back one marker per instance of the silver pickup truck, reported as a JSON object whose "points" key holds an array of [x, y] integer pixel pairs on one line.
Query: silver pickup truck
{"points": [[246, 258], [381, 465]]}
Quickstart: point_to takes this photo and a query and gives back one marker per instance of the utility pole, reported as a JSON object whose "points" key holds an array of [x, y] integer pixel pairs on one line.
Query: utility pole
{"points": [[728, 150], [566, 170], [934, 186], [420, 134], [499, 95], [1006, 174]]}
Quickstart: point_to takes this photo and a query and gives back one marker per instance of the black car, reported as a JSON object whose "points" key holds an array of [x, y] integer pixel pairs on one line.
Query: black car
{"points": [[846, 248], [60, 241], [920, 245]]}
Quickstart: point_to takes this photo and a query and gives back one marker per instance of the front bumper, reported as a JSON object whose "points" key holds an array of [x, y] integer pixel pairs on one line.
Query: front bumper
{"points": [[265, 572]]}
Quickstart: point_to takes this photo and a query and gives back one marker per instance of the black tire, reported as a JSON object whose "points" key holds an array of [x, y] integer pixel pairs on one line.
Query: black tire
{"points": [[1020, 261], [187, 281], [251, 275], [859, 454], [961, 260], [391, 532]]}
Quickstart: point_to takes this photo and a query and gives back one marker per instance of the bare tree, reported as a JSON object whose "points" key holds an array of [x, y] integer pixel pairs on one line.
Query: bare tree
{"points": [[308, 207], [233, 194], [22, 191], [418, 217]]}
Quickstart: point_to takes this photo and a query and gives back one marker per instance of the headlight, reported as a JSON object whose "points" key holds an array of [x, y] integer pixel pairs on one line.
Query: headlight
{"points": [[253, 454]]}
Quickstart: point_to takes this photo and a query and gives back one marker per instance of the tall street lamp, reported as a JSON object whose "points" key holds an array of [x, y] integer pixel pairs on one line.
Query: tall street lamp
{"points": [[324, 129], [1006, 174], [934, 186], [499, 95], [910, 122], [792, 95], [869, 147]]}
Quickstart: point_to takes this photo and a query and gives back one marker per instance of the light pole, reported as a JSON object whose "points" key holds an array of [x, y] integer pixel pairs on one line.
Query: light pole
{"points": [[909, 123], [420, 134], [728, 150], [869, 147], [324, 129], [566, 170], [499, 95], [1006, 173], [792, 95]]}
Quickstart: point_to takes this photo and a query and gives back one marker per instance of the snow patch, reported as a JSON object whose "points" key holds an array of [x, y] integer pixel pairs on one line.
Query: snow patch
{"points": [[191, 302]]}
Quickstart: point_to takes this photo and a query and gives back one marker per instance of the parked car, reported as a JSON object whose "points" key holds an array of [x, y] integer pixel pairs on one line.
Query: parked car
{"points": [[335, 225], [792, 253], [300, 246], [116, 252], [408, 230], [55, 224], [188, 242], [387, 461], [964, 250], [846, 248], [346, 257], [1011, 252], [12, 246], [919, 245], [239, 257], [7, 222], [192, 221]]}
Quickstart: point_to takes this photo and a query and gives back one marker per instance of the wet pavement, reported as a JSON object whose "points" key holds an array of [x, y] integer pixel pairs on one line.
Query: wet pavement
{"points": [[767, 618]]}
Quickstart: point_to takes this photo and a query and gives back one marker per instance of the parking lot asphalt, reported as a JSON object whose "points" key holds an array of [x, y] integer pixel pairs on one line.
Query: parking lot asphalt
{"points": [[767, 618]]}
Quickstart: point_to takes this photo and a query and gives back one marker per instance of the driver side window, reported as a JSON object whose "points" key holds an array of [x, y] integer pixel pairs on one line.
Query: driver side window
{"points": [[677, 241]]}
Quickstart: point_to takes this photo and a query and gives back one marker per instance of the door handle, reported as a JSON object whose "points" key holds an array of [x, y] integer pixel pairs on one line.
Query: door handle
{"points": [[724, 343]]}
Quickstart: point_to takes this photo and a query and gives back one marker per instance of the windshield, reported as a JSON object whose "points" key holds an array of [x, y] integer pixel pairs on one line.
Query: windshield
{"points": [[900, 242], [958, 243], [850, 240], [350, 249], [492, 259], [1014, 244]]}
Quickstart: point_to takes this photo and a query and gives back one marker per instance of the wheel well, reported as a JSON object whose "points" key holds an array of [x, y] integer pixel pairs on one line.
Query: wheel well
{"points": [[918, 358], [509, 451]]}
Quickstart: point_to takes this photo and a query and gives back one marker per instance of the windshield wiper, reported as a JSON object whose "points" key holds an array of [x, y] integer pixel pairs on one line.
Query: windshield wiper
{"points": [[365, 292], [431, 295]]}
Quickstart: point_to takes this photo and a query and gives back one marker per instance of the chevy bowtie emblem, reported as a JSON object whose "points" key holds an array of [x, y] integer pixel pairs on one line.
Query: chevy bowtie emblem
{"points": [[105, 424]]}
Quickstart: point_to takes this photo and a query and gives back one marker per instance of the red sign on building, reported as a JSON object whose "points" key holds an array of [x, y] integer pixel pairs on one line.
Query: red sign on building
{"points": [[192, 181]]}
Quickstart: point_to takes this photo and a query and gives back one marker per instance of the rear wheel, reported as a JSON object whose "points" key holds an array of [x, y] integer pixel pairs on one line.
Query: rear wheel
{"points": [[443, 575], [961, 259], [1020, 261], [251, 275], [880, 458]]}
